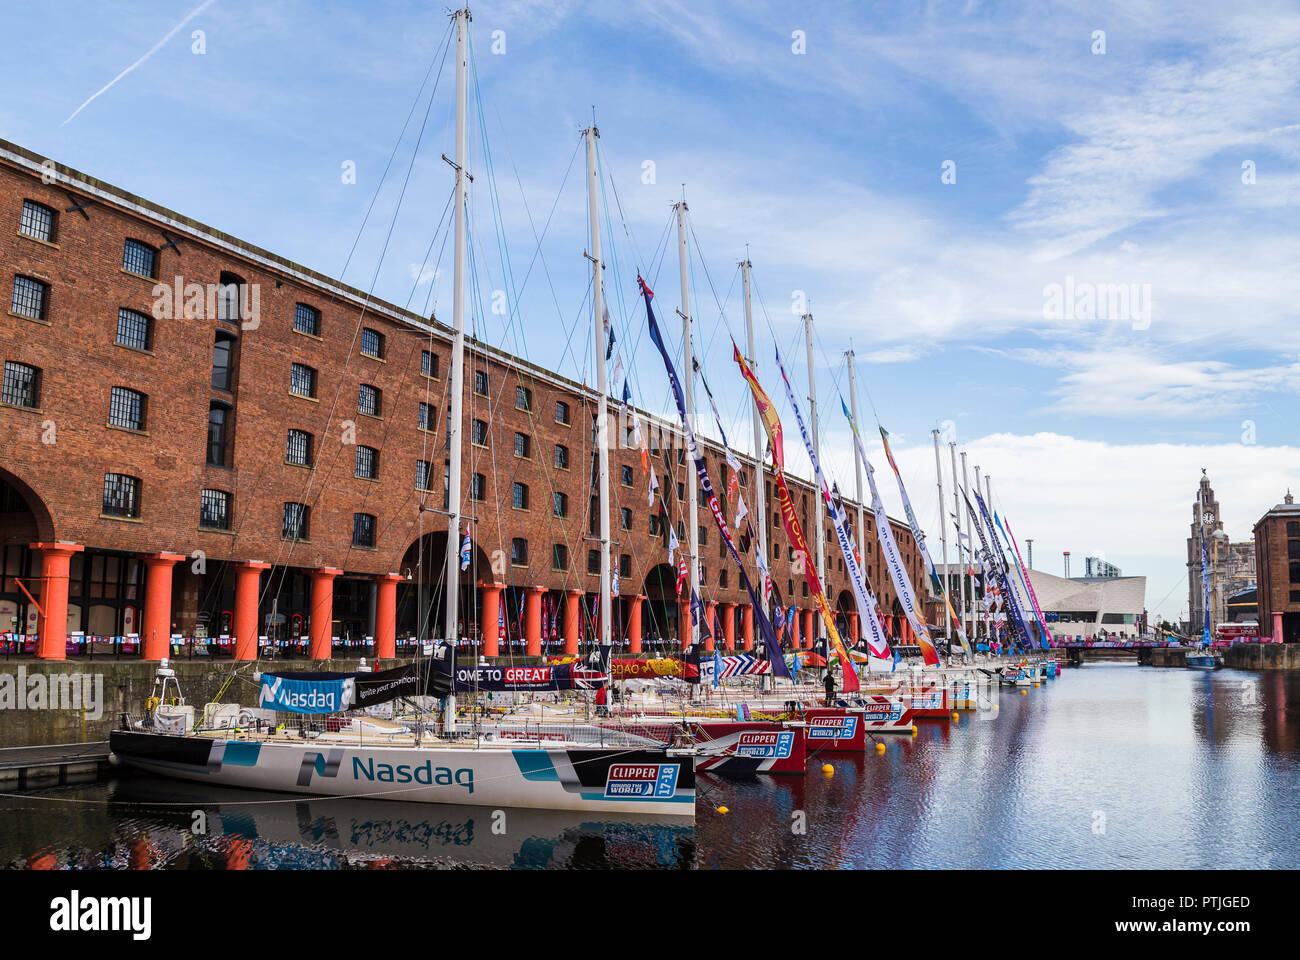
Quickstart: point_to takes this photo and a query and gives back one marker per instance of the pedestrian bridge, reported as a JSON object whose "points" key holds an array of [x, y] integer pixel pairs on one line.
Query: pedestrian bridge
{"points": [[1146, 651]]}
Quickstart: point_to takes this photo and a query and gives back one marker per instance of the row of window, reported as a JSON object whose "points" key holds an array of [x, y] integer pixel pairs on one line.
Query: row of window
{"points": [[41, 223], [122, 499]]}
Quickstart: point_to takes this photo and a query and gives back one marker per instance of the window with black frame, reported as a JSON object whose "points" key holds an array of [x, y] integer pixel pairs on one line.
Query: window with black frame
{"points": [[302, 380], [218, 433], [139, 258], [306, 319], [134, 329], [295, 523], [372, 343], [22, 385], [367, 462], [223, 362], [30, 298], [214, 510], [37, 221], [126, 408], [298, 448], [121, 495], [368, 400]]}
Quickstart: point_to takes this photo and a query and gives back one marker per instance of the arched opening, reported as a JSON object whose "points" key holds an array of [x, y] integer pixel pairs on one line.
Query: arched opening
{"points": [[896, 628], [844, 605], [24, 519], [659, 619], [422, 597]]}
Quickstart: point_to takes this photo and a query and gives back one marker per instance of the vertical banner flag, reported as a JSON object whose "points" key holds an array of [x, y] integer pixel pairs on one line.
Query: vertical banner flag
{"points": [[1045, 641], [733, 481], [919, 536], [764, 625], [892, 556], [464, 549], [1014, 602], [767, 413]]}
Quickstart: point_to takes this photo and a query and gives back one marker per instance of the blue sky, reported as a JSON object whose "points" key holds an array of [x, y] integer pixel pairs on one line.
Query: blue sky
{"points": [[1072, 166]]}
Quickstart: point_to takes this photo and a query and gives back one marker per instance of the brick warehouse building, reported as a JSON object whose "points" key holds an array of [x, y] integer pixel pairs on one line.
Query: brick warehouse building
{"points": [[1277, 550], [200, 438]]}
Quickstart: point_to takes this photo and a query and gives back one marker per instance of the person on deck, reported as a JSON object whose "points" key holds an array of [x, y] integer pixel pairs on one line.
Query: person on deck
{"points": [[829, 682]]}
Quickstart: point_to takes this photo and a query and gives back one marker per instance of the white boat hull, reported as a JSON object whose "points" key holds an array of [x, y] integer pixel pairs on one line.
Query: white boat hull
{"points": [[612, 780]]}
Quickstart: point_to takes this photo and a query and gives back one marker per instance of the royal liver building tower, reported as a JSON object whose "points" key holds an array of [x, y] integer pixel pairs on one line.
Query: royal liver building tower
{"points": [[1230, 566]]}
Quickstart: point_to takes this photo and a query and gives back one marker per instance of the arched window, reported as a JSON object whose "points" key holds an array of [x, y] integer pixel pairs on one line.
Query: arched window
{"points": [[223, 362], [230, 297], [218, 433]]}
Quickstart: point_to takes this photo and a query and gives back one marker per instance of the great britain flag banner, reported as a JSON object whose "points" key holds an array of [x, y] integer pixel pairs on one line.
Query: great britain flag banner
{"points": [[743, 665], [919, 536], [792, 528], [770, 645], [893, 557]]}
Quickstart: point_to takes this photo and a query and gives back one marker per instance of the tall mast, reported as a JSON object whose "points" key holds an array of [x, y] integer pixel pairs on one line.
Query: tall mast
{"points": [[812, 417], [970, 545], [688, 371], [602, 410], [857, 464], [956, 516], [943, 539], [760, 488], [457, 385], [984, 577]]}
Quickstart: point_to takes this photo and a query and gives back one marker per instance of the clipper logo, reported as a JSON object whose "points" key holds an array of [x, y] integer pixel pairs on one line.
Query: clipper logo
{"points": [[633, 781], [928, 700], [765, 746], [832, 728], [880, 711], [325, 766]]}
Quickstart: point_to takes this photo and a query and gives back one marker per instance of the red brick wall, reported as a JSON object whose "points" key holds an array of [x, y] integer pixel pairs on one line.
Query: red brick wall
{"points": [[1273, 572]]}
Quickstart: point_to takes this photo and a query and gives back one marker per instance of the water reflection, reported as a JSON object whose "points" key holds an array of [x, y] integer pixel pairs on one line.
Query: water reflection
{"points": [[1112, 766], [241, 830]]}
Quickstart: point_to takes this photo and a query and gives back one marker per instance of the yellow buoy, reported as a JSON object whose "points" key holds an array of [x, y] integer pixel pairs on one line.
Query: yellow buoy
{"points": [[913, 729], [954, 715], [1024, 693], [723, 810], [827, 770], [880, 748], [995, 706]]}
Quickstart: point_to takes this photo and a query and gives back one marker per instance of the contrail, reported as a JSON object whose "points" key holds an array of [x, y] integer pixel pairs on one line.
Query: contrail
{"points": [[152, 50]]}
